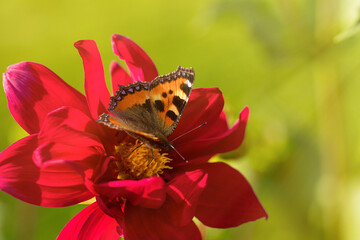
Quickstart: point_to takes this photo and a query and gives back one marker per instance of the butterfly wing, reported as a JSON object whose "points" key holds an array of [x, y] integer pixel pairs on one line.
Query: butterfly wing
{"points": [[126, 97], [150, 111], [169, 94], [131, 110], [115, 123]]}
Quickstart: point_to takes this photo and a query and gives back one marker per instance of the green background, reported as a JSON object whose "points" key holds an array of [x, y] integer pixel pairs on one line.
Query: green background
{"points": [[295, 63]]}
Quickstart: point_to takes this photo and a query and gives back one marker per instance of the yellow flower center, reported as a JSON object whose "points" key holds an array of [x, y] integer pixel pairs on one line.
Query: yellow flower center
{"points": [[137, 162]]}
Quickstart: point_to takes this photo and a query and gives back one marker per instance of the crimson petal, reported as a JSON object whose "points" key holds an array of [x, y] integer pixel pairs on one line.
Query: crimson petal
{"points": [[65, 139], [97, 94], [62, 185], [205, 105], [184, 191], [33, 90], [119, 76], [140, 65], [91, 223], [70, 158], [228, 199], [145, 223], [66, 120], [148, 192], [228, 140], [20, 177]]}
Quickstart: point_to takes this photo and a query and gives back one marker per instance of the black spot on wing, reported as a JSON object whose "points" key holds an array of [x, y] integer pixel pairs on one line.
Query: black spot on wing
{"points": [[171, 115], [147, 105], [170, 91], [159, 105], [179, 103], [186, 89], [164, 94]]}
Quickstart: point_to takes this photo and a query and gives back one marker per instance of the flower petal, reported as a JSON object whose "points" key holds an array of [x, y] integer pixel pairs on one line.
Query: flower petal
{"points": [[205, 105], [228, 140], [119, 76], [97, 94], [91, 223], [228, 199], [70, 126], [62, 185], [184, 191], [145, 223], [148, 192], [33, 90], [66, 139], [140, 65], [58, 156], [20, 177], [18, 174]]}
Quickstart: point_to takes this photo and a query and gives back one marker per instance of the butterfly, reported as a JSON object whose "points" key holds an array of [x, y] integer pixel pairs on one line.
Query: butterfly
{"points": [[150, 111]]}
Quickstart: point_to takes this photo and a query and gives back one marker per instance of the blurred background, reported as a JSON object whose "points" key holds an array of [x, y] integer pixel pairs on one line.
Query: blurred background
{"points": [[295, 63]]}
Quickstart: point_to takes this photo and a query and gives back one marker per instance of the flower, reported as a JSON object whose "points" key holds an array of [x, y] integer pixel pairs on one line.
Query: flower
{"points": [[69, 158]]}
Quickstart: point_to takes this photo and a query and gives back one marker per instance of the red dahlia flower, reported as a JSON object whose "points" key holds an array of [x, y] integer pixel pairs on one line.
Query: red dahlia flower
{"points": [[69, 158]]}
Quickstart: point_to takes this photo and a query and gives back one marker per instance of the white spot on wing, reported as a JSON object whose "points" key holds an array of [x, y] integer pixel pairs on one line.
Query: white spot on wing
{"points": [[188, 83]]}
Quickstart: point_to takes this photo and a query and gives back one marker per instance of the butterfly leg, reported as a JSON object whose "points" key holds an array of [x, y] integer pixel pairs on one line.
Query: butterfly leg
{"points": [[134, 150], [152, 154]]}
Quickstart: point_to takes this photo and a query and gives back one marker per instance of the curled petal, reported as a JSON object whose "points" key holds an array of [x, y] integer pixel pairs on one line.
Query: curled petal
{"points": [[97, 94], [140, 65], [65, 139], [114, 209], [33, 90], [228, 199], [226, 141], [145, 223], [184, 191], [18, 174], [60, 156], [62, 185], [91, 223], [119, 76], [205, 105], [148, 192], [22, 178], [70, 126]]}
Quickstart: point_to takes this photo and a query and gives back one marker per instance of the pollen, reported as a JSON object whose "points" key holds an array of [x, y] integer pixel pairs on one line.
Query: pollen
{"points": [[135, 161]]}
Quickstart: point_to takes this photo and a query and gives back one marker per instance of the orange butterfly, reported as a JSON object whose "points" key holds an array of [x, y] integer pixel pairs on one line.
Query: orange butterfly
{"points": [[151, 111]]}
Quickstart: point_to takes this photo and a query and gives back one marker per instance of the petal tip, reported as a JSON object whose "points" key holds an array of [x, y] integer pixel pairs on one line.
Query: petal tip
{"points": [[117, 36], [244, 115], [78, 43], [17, 66], [13, 71], [82, 43], [114, 65]]}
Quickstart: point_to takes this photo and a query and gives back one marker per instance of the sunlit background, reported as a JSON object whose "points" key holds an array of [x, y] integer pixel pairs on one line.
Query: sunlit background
{"points": [[295, 63]]}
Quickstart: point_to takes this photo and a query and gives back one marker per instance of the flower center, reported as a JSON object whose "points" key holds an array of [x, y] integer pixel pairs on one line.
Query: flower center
{"points": [[137, 162]]}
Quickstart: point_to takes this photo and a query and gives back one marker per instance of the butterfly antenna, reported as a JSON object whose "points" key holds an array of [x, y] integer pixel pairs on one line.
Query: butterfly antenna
{"points": [[188, 133], [178, 153]]}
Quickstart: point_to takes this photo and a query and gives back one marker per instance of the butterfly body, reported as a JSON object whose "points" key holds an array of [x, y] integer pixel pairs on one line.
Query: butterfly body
{"points": [[151, 111]]}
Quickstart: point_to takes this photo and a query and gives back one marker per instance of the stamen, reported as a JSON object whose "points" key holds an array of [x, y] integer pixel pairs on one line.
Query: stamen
{"points": [[138, 161]]}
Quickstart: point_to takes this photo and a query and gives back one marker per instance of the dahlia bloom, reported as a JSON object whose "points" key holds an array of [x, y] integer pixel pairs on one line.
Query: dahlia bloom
{"points": [[69, 158]]}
